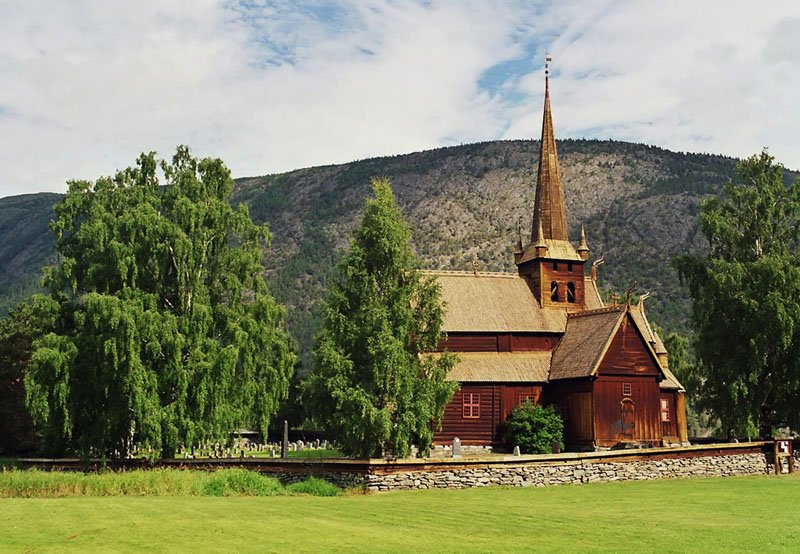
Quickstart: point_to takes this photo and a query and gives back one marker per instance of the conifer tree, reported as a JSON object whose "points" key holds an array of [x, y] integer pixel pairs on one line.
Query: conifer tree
{"points": [[746, 300], [166, 333], [372, 390]]}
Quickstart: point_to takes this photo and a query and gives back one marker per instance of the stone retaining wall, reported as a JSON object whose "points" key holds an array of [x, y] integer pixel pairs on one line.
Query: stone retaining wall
{"points": [[539, 475], [713, 460]]}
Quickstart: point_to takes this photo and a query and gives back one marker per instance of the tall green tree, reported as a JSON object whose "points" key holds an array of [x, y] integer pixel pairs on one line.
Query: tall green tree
{"points": [[372, 389], [746, 300], [166, 332]]}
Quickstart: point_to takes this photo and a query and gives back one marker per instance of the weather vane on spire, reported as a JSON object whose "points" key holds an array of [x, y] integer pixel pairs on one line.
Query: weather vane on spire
{"points": [[548, 57]]}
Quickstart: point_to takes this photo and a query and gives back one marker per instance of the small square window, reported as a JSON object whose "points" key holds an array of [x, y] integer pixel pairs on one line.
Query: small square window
{"points": [[626, 389], [471, 405], [522, 398]]}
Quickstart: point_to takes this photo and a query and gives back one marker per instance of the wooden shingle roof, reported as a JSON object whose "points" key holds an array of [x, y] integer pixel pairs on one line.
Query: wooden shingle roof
{"points": [[591, 295], [638, 315], [506, 367], [494, 302], [584, 343], [556, 250]]}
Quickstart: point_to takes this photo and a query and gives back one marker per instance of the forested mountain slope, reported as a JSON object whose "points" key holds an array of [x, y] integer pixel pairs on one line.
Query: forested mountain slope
{"points": [[638, 203]]}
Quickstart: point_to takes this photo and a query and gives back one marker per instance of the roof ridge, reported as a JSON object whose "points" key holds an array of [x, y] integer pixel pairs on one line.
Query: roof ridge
{"points": [[469, 273], [605, 310]]}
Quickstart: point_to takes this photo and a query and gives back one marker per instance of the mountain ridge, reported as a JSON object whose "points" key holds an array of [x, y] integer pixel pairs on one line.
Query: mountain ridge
{"points": [[638, 204]]}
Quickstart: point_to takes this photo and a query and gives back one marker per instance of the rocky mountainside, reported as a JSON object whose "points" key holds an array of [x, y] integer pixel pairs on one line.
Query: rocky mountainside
{"points": [[638, 203]]}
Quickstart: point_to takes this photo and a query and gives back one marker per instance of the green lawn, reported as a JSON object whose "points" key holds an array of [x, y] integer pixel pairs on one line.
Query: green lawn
{"points": [[745, 514]]}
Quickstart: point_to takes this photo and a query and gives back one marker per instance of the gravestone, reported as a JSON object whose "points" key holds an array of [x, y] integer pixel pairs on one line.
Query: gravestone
{"points": [[516, 451], [456, 447], [285, 443]]}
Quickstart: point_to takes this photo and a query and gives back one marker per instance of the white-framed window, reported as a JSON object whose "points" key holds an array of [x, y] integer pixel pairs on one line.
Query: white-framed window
{"points": [[665, 415]]}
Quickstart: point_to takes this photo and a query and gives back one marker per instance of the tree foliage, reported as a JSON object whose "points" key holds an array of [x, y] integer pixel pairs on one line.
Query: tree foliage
{"points": [[534, 428], [166, 332], [371, 388], [24, 324], [746, 300], [683, 363]]}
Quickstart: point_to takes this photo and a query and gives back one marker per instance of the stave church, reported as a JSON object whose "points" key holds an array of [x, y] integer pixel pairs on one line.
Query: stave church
{"points": [[543, 334]]}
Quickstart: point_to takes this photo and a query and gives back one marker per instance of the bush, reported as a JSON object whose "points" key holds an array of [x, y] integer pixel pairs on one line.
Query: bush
{"points": [[241, 482], [314, 487], [534, 428]]}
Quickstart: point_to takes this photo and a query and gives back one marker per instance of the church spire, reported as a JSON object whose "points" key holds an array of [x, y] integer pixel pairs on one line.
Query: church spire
{"points": [[549, 211]]}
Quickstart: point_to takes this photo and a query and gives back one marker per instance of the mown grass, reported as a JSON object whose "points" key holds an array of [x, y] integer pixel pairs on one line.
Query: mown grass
{"points": [[737, 514], [156, 482]]}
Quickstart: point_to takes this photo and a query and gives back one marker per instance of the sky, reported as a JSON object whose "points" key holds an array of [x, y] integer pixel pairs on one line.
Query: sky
{"points": [[271, 86]]}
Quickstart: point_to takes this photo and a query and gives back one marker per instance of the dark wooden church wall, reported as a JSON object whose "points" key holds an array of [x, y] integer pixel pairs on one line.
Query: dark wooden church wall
{"points": [[626, 392], [499, 342], [469, 342], [628, 354], [574, 400], [622, 417], [497, 401], [669, 429], [480, 430]]}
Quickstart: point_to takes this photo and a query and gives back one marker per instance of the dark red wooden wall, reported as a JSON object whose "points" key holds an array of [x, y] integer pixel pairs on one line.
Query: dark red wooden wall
{"points": [[499, 342], [633, 417], [497, 401]]}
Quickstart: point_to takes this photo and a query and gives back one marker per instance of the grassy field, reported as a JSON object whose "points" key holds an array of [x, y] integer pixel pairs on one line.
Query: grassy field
{"points": [[745, 514]]}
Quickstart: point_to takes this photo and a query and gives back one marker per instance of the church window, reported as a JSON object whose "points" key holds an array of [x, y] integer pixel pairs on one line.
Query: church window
{"points": [[570, 292], [626, 389], [569, 266], [554, 291], [665, 409], [471, 405], [555, 266]]}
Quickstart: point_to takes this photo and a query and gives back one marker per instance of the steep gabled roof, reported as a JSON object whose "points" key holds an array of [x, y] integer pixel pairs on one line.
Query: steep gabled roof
{"points": [[585, 342], [588, 336], [503, 367], [638, 315], [494, 302]]}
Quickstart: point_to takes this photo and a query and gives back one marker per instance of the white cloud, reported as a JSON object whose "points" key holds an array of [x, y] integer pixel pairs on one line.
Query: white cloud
{"points": [[716, 77], [272, 86]]}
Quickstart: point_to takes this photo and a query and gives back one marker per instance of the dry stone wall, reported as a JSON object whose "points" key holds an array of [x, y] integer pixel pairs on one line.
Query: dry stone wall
{"points": [[540, 475]]}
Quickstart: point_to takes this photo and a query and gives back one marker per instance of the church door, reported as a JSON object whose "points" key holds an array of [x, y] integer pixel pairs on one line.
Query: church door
{"points": [[628, 420]]}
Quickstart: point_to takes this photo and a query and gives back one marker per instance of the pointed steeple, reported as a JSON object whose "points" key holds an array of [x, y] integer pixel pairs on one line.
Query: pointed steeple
{"points": [[540, 245], [583, 246], [549, 210]]}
